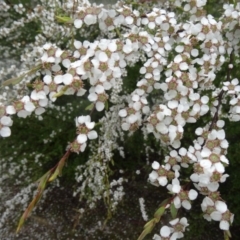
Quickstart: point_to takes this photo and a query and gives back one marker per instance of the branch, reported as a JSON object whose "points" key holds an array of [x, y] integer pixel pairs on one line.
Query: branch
{"points": [[47, 177]]}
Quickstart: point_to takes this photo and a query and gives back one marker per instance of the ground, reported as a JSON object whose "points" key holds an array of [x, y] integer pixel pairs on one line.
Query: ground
{"points": [[58, 218]]}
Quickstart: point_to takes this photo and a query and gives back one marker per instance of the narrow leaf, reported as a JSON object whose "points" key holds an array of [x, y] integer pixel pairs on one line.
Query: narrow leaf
{"points": [[150, 223], [63, 19], [147, 229], [173, 211], [227, 234], [144, 234], [17, 80], [13, 81], [54, 175], [41, 187], [164, 202], [158, 214], [58, 170], [62, 91], [235, 3], [90, 107], [106, 105]]}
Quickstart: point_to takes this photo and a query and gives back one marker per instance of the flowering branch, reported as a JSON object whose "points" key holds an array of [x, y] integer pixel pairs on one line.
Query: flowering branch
{"points": [[176, 57], [47, 177]]}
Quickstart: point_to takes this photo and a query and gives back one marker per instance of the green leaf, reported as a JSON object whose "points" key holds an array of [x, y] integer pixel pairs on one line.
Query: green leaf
{"points": [[227, 235], [58, 170], [62, 91], [17, 80], [173, 211], [149, 223], [41, 187], [112, 162], [47, 177], [165, 202], [90, 107], [158, 214], [63, 19], [106, 105], [235, 3], [54, 175], [147, 228], [13, 81]]}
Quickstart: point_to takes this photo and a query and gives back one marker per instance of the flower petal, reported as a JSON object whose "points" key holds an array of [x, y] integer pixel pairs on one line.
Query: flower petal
{"points": [[155, 165], [5, 132], [221, 206], [81, 138], [92, 135], [165, 231], [192, 194]]}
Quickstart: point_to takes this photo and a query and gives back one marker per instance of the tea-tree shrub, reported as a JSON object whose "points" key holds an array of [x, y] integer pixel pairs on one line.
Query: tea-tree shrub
{"points": [[164, 73]]}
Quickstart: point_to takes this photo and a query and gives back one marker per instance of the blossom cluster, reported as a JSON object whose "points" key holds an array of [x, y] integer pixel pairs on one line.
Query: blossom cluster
{"points": [[176, 230], [176, 86]]}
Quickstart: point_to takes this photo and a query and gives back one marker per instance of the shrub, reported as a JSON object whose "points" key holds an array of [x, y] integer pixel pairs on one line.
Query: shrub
{"points": [[135, 86]]}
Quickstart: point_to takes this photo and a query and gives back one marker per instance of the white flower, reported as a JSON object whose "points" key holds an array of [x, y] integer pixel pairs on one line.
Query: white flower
{"points": [[180, 227], [232, 87], [84, 126], [5, 123], [153, 176], [38, 95], [78, 23], [183, 199], [224, 225], [162, 180], [58, 79], [221, 206], [90, 19], [29, 106], [155, 165], [165, 231], [67, 78], [192, 194], [47, 79], [175, 186], [122, 113], [5, 131], [10, 110], [98, 95]]}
